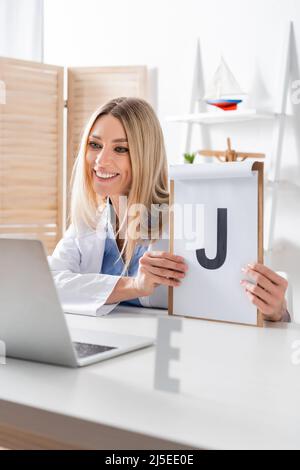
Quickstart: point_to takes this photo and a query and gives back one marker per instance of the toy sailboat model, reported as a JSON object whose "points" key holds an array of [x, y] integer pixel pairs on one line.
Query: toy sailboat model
{"points": [[224, 92]]}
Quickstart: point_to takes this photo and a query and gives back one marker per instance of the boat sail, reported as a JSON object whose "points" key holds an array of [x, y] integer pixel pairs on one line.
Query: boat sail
{"points": [[223, 88]]}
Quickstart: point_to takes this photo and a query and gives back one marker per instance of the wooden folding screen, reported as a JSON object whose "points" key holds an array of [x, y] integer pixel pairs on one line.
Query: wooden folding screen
{"points": [[31, 151], [33, 184]]}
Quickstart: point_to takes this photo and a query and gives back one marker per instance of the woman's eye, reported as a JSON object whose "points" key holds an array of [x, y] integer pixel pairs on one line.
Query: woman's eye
{"points": [[121, 149], [94, 145]]}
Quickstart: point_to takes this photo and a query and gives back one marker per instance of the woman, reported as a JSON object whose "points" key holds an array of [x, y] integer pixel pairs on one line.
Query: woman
{"points": [[104, 258]]}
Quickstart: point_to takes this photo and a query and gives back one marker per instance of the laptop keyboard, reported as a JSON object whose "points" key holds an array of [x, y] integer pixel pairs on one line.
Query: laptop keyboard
{"points": [[86, 349]]}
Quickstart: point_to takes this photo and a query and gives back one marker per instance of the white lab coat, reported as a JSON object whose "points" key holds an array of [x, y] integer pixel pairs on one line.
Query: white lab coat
{"points": [[76, 263]]}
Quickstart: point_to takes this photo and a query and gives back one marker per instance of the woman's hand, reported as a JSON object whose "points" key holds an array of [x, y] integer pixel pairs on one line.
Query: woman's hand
{"points": [[159, 268], [269, 292]]}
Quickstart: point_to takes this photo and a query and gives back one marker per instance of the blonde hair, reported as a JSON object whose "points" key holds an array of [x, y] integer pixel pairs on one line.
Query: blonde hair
{"points": [[148, 161]]}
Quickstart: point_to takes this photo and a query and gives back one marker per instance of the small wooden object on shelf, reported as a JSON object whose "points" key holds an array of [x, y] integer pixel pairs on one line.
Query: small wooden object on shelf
{"points": [[230, 155]]}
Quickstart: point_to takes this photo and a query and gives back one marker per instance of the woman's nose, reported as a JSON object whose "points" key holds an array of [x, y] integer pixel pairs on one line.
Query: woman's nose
{"points": [[102, 157]]}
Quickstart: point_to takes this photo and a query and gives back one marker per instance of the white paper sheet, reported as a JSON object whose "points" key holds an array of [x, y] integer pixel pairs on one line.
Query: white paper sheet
{"points": [[211, 171], [216, 294]]}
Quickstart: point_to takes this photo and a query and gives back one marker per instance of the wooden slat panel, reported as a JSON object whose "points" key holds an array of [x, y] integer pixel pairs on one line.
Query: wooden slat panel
{"points": [[31, 151], [18, 164], [9, 132], [34, 108], [38, 202], [31, 229], [33, 181], [28, 217], [29, 144], [89, 88], [27, 192], [38, 123], [30, 154]]}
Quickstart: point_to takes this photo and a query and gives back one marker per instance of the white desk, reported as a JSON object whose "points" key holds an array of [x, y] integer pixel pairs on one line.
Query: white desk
{"points": [[239, 390]]}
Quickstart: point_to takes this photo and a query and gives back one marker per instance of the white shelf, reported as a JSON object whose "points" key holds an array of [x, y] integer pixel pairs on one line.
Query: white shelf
{"points": [[222, 117]]}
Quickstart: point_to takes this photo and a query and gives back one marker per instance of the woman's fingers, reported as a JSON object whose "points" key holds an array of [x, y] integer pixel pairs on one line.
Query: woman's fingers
{"points": [[166, 255], [168, 273], [156, 279], [277, 290], [268, 311], [260, 304], [260, 293], [269, 274], [261, 280], [161, 268], [269, 292], [164, 263]]}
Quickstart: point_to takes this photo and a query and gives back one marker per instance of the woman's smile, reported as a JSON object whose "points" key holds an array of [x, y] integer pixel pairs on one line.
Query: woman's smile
{"points": [[105, 177]]}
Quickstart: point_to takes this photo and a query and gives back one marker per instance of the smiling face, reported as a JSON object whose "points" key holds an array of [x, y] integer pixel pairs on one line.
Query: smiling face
{"points": [[108, 157]]}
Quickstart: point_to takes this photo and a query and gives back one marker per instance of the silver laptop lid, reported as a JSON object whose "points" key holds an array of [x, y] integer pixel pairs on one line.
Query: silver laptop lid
{"points": [[32, 323]]}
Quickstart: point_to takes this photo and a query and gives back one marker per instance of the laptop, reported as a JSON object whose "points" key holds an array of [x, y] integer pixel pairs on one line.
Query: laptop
{"points": [[32, 323]]}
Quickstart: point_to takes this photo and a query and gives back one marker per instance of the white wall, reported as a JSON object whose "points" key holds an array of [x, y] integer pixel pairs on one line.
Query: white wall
{"points": [[163, 34], [21, 24]]}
